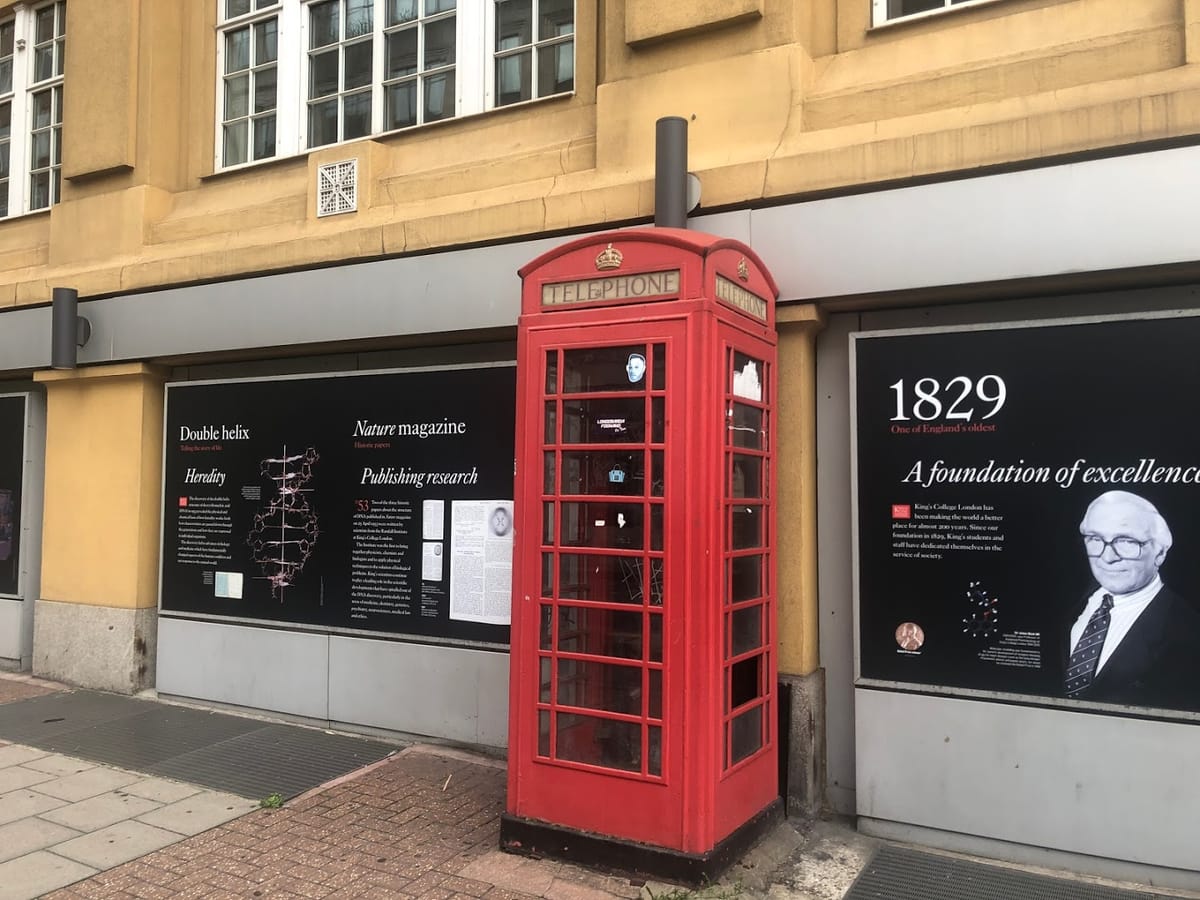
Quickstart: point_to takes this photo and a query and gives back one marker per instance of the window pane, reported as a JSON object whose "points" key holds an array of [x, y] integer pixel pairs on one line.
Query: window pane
{"points": [[401, 106], [747, 476], [747, 734], [556, 69], [654, 750], [60, 56], [323, 74], [399, 11], [599, 742], [4, 197], [356, 116], [359, 17], [323, 24], [4, 153], [5, 121], [610, 420], [57, 140], [266, 42], [746, 578], [237, 97], [745, 681], [514, 19], [5, 76], [264, 90], [43, 63], [322, 123], [234, 8], [45, 25], [745, 425], [437, 6], [235, 144], [603, 472], [746, 625], [908, 7], [512, 79], [40, 157], [603, 686], [557, 18], [264, 137], [616, 525], [748, 527], [237, 50], [439, 96], [605, 369], [604, 579], [601, 632], [6, 38], [439, 43], [400, 55], [39, 190], [357, 66]]}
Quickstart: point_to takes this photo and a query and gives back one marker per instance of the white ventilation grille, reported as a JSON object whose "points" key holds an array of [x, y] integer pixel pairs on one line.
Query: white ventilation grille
{"points": [[337, 188]]}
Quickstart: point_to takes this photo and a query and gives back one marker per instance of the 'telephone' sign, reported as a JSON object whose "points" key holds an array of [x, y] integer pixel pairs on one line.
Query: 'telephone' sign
{"points": [[621, 287]]}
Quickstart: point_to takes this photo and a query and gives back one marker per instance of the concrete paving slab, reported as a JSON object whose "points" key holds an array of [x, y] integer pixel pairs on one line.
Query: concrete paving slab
{"points": [[116, 844], [57, 764], [29, 834], [87, 784], [34, 874], [18, 754], [161, 790], [198, 813], [19, 804], [16, 777], [101, 811]]}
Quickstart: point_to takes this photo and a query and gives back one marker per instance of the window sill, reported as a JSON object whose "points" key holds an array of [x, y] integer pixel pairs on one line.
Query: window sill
{"points": [[928, 14], [16, 217]]}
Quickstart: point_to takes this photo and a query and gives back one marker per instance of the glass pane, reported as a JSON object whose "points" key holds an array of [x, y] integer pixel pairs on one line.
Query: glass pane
{"points": [[545, 629], [58, 104], [657, 482], [323, 74], [237, 50], [237, 96], [357, 71], [5, 76], [44, 25], [606, 579], [747, 734], [235, 144], [654, 706], [656, 582], [60, 56], [660, 367], [43, 63], [550, 426], [654, 750], [264, 90], [514, 20], [6, 38], [55, 185], [613, 420], [658, 420], [400, 54], [512, 79], [548, 473], [745, 681], [551, 371], [401, 105], [360, 18], [544, 680], [323, 24], [548, 523], [557, 18], [605, 369], [39, 190], [439, 96], [437, 6], [235, 8], [746, 476], [4, 155], [747, 377], [615, 525], [745, 426], [439, 43], [40, 157], [747, 527], [4, 196], [599, 742], [600, 632], [746, 578], [322, 123], [620, 472], [543, 733], [266, 42], [264, 137], [746, 630], [356, 115], [908, 7], [547, 574], [5, 121], [656, 634], [656, 527], [399, 11], [603, 686], [556, 69], [57, 133]]}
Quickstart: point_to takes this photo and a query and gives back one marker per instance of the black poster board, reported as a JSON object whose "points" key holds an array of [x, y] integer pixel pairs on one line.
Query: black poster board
{"points": [[983, 457], [379, 502], [12, 471]]}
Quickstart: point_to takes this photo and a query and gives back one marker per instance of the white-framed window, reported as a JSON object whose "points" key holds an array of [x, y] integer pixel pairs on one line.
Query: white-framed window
{"points": [[32, 50], [298, 74], [884, 11]]}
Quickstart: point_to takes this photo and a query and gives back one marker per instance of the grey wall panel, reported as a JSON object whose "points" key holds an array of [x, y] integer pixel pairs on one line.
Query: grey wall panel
{"points": [[261, 668], [12, 632], [1124, 789], [834, 583], [453, 693]]}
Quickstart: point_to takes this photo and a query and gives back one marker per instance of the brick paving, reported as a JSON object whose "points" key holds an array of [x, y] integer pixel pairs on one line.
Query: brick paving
{"points": [[422, 824], [24, 687]]}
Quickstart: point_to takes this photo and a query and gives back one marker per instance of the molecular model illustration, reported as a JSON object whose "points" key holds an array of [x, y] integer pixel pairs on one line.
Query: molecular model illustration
{"points": [[284, 534]]}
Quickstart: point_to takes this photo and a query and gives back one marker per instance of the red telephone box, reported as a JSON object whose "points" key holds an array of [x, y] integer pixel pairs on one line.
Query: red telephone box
{"points": [[642, 718]]}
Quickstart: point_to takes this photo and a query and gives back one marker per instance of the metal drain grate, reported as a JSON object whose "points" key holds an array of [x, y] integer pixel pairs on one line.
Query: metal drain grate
{"points": [[226, 753], [895, 873]]}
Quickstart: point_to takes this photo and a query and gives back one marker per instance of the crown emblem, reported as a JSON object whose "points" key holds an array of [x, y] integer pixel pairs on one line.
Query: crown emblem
{"points": [[743, 269], [609, 259]]}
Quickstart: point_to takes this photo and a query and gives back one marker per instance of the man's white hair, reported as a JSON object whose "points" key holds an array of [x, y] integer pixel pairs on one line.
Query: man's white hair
{"points": [[1159, 532]]}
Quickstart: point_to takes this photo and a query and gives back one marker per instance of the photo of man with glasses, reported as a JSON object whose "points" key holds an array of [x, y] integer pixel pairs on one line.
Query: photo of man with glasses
{"points": [[1133, 640]]}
